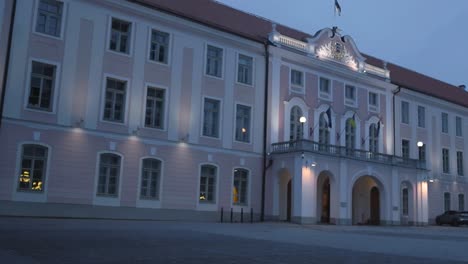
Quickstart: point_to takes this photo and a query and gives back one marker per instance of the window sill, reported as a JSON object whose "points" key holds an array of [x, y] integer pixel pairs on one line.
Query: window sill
{"points": [[37, 110], [158, 63], [214, 77], [245, 84], [60, 38], [128, 55]]}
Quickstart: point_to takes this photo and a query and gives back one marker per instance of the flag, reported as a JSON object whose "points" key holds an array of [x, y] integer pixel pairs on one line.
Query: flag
{"points": [[329, 117], [352, 122], [337, 8]]}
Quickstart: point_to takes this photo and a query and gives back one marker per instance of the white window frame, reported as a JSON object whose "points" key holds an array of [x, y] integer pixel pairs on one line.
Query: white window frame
{"points": [[150, 203], [169, 53], [403, 113], [62, 23], [443, 161], [166, 107], [206, 60], [295, 88], [409, 147], [251, 122], [220, 130], [103, 99], [444, 129], [373, 108], [208, 206], [456, 126], [246, 206], [348, 101], [421, 121], [460, 168], [237, 69], [131, 38], [56, 89], [105, 199], [322, 95]]}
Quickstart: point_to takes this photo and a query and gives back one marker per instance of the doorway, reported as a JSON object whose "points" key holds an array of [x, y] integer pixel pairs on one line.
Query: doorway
{"points": [[374, 206]]}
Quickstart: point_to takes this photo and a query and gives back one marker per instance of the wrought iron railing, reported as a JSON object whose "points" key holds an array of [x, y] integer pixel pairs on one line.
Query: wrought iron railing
{"points": [[304, 145]]}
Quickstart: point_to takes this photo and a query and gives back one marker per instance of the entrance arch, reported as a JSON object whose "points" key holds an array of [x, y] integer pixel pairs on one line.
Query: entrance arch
{"points": [[367, 201], [285, 195], [324, 201]]}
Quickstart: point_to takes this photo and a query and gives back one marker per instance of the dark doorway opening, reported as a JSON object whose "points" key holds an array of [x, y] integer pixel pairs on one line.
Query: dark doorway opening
{"points": [[374, 206], [289, 202], [325, 215]]}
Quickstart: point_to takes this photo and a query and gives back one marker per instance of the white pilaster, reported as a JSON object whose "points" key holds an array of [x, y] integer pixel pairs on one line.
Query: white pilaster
{"points": [[176, 87], [228, 107]]}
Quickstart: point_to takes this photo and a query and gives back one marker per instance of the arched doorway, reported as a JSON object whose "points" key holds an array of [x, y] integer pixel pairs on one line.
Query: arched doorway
{"points": [[285, 195], [367, 201], [324, 197]]}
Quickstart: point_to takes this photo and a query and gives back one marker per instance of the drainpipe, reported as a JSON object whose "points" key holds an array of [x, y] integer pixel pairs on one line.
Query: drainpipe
{"points": [[395, 92], [7, 60], [265, 123]]}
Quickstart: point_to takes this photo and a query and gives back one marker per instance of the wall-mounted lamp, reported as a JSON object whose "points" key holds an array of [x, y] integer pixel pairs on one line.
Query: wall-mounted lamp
{"points": [[313, 164], [420, 144]]}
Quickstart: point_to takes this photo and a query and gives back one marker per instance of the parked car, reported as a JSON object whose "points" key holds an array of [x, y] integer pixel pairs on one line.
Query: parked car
{"points": [[453, 218]]}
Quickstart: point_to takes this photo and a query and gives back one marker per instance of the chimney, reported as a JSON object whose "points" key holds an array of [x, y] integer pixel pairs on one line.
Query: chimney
{"points": [[463, 87]]}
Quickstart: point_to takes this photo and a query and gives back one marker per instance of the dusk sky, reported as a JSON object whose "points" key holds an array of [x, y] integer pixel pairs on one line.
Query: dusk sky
{"points": [[427, 36]]}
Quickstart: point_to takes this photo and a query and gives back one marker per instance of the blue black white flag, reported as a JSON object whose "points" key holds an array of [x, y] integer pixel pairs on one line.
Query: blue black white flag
{"points": [[337, 8]]}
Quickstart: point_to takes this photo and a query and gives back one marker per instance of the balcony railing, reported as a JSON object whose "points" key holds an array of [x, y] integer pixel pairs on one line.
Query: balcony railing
{"points": [[343, 152]]}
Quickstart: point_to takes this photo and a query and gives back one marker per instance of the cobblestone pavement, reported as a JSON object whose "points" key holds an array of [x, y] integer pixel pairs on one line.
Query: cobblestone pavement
{"points": [[27, 240]]}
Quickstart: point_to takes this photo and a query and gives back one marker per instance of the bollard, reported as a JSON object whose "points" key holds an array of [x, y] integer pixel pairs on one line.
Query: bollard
{"points": [[222, 212], [242, 215], [251, 215], [231, 215]]}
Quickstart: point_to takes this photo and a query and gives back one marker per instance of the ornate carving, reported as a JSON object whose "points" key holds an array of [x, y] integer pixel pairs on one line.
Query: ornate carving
{"points": [[337, 51]]}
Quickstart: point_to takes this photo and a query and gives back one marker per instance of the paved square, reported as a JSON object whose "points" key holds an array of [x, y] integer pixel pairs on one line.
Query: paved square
{"points": [[26, 240]]}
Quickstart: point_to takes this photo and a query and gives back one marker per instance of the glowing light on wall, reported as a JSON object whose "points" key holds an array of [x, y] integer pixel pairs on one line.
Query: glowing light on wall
{"points": [[337, 52]]}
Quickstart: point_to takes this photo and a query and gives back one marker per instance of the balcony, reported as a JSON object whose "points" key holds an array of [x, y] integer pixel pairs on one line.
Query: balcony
{"points": [[343, 152]]}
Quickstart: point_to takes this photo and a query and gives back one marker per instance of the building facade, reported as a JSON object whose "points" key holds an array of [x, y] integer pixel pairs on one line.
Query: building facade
{"points": [[175, 110]]}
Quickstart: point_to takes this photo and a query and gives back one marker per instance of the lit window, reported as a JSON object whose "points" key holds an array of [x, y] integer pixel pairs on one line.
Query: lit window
{"points": [[120, 36], [49, 17], [150, 178], [208, 176], [159, 46], [445, 161], [405, 112], [211, 113], [243, 123], [240, 188], [114, 107], [41, 86], [214, 61], [109, 174], [33, 168], [245, 70], [154, 116], [445, 123], [421, 116]]}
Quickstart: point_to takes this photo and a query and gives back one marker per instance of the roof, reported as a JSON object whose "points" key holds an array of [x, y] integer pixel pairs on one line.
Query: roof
{"points": [[228, 19]]}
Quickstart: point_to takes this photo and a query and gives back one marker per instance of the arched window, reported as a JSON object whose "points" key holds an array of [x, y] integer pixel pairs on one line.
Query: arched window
{"points": [[350, 134], [109, 174], [324, 133], [405, 201], [373, 138], [208, 176], [294, 125], [150, 179], [240, 187], [33, 168]]}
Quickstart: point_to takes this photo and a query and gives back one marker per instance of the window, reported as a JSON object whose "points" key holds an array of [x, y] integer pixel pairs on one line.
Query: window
{"points": [[240, 188], [109, 174], [445, 161], [405, 201], [297, 78], [350, 95], [445, 123], [120, 36], [295, 127], [243, 123], [41, 86], [458, 122], [159, 46], [405, 112], [114, 107], [150, 178], [460, 163], [350, 134], [245, 69], [447, 201], [33, 168], [325, 90], [373, 138], [373, 102], [421, 116], [154, 116], [324, 133], [422, 152], [211, 118], [214, 61], [208, 184], [405, 149], [49, 17], [461, 202]]}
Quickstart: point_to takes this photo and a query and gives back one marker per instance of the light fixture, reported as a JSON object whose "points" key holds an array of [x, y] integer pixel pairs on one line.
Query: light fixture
{"points": [[303, 119], [431, 180], [313, 164], [420, 144]]}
